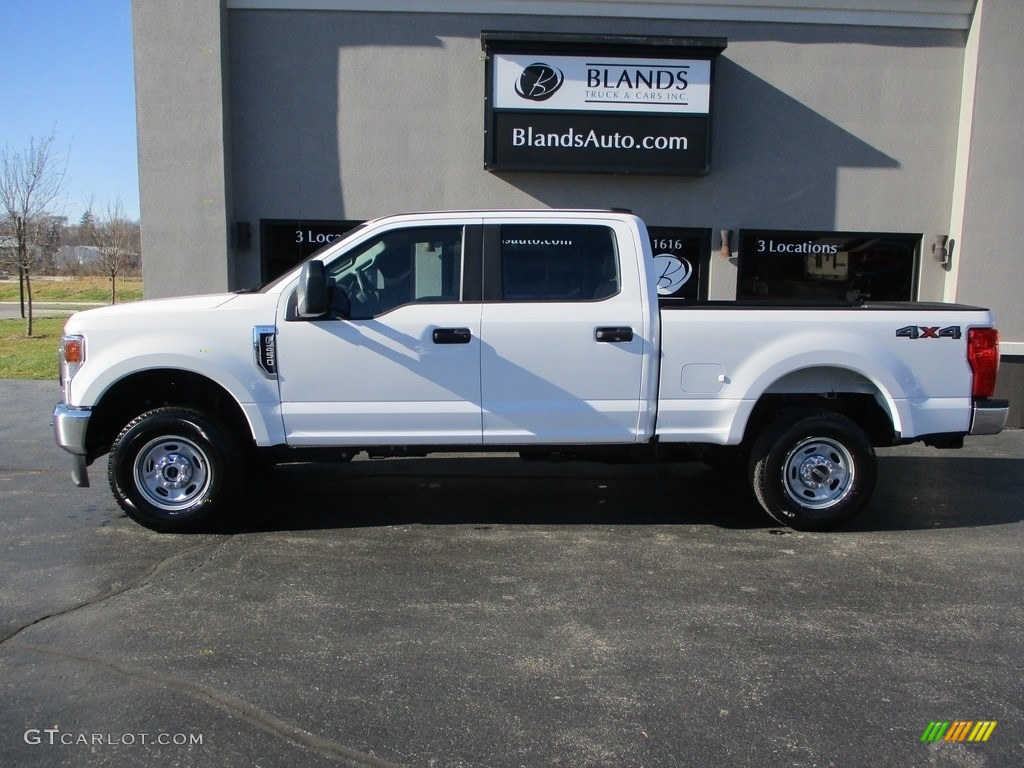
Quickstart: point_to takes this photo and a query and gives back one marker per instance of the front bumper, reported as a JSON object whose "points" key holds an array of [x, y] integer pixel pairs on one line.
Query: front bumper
{"points": [[69, 428], [988, 417]]}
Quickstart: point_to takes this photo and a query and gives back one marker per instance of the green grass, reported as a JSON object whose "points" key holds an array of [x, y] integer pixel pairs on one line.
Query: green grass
{"points": [[72, 289], [33, 357]]}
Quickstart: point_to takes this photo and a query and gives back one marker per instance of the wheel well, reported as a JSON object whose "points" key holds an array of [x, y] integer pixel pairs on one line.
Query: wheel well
{"points": [[147, 390], [861, 408]]}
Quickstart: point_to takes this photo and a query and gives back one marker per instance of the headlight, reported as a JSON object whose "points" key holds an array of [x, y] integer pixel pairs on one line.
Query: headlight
{"points": [[71, 356]]}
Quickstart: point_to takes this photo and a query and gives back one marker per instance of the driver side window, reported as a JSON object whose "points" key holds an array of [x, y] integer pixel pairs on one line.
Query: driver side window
{"points": [[421, 264]]}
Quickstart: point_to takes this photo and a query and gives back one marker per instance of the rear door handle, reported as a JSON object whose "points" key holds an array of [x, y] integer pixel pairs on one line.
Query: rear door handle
{"points": [[618, 334], [452, 335]]}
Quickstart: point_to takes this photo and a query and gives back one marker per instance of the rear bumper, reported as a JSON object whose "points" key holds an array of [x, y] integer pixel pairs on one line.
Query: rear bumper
{"points": [[988, 417], [69, 428]]}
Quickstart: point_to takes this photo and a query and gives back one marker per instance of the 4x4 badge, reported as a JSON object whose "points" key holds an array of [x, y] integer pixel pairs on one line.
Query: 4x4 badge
{"points": [[929, 332]]}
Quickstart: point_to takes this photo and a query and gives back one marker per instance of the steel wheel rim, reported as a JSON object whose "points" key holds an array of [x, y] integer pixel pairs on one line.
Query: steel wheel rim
{"points": [[172, 473], [818, 473]]}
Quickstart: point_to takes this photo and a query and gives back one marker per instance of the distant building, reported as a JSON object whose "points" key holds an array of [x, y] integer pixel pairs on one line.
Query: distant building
{"points": [[76, 255], [8, 250]]}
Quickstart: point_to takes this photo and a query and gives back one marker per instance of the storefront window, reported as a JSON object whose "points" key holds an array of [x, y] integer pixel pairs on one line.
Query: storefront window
{"points": [[839, 267], [681, 262], [285, 243]]}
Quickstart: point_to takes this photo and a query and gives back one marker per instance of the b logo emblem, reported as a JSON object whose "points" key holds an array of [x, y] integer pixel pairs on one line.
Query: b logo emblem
{"points": [[538, 82], [672, 272]]}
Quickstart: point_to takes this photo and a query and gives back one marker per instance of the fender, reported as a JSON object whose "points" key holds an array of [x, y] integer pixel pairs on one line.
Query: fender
{"points": [[896, 385], [214, 341]]}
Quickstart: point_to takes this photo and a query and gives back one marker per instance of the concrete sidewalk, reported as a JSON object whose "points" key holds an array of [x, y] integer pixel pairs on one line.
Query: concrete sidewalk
{"points": [[12, 309]]}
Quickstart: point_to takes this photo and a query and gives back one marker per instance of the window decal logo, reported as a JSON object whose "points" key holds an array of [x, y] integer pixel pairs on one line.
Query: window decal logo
{"points": [[673, 272], [538, 82]]}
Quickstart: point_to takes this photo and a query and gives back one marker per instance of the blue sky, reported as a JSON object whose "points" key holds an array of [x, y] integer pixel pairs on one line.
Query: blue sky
{"points": [[67, 67]]}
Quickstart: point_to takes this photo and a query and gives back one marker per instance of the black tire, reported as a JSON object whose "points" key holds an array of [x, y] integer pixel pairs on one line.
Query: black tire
{"points": [[813, 470], [174, 470]]}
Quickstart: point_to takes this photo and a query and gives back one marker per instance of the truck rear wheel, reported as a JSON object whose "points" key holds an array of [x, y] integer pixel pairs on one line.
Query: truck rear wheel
{"points": [[813, 471], [174, 469]]}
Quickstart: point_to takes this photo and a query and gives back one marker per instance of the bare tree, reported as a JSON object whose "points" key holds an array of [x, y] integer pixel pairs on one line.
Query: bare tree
{"points": [[30, 182], [115, 238]]}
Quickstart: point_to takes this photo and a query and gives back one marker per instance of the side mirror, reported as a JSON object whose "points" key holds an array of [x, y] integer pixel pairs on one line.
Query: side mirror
{"points": [[312, 299]]}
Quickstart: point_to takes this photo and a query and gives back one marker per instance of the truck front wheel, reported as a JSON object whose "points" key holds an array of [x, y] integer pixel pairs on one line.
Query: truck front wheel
{"points": [[174, 469], [813, 471]]}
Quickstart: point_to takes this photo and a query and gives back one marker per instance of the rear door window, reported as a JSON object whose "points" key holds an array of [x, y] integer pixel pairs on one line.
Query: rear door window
{"points": [[558, 262]]}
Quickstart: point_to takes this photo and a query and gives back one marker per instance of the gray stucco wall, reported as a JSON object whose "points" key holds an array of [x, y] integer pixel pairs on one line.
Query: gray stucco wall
{"points": [[353, 115], [991, 252], [184, 176]]}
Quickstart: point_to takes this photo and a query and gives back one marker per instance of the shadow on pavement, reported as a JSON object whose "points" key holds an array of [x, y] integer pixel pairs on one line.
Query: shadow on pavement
{"points": [[493, 491], [913, 493], [919, 493]]}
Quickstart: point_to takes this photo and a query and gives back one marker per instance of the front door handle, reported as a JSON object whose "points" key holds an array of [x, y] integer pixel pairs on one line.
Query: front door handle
{"points": [[617, 334], [452, 335]]}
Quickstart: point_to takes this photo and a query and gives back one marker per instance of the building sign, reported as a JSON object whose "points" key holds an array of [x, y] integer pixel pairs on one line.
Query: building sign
{"points": [[598, 104], [589, 83], [839, 267]]}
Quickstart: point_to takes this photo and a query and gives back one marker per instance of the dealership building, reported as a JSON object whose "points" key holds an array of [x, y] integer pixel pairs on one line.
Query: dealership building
{"points": [[784, 150]]}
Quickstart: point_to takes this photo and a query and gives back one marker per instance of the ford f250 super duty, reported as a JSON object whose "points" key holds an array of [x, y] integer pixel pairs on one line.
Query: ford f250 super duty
{"points": [[532, 331]]}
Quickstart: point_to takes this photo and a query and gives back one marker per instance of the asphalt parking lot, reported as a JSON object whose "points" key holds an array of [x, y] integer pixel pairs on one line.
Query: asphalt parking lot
{"points": [[492, 612]]}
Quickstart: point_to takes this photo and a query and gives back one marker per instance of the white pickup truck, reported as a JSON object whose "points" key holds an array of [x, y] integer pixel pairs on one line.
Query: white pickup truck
{"points": [[532, 331]]}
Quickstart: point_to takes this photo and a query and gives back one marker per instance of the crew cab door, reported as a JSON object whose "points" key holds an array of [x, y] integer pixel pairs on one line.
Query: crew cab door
{"points": [[566, 338], [402, 367]]}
